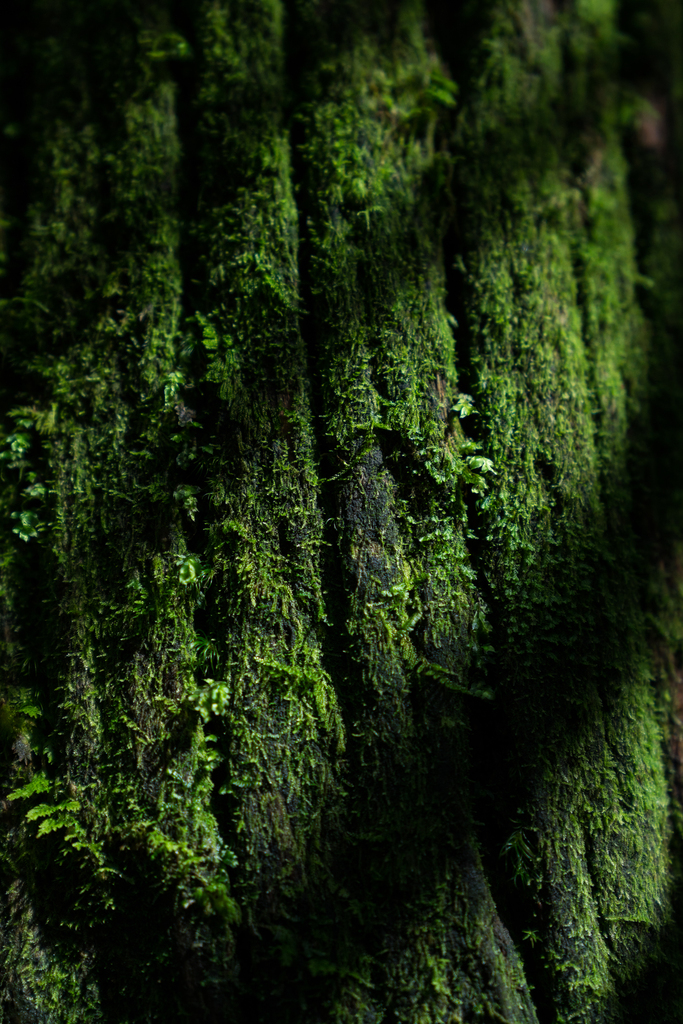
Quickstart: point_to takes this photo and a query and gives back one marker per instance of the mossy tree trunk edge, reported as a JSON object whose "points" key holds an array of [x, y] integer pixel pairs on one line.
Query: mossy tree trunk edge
{"points": [[341, 512]]}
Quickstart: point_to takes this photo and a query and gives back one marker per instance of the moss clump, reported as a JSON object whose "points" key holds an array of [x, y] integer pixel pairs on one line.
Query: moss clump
{"points": [[108, 652], [559, 350], [408, 621]]}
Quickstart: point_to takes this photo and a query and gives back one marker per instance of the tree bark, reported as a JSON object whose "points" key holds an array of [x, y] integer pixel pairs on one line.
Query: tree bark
{"points": [[341, 505]]}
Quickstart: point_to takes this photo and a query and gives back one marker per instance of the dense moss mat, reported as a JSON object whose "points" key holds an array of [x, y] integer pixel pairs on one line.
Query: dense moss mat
{"points": [[558, 354], [341, 512]]}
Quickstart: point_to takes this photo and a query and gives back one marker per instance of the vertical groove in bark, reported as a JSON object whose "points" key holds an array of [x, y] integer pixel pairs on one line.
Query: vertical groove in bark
{"points": [[654, 72], [274, 711], [374, 195], [115, 784]]}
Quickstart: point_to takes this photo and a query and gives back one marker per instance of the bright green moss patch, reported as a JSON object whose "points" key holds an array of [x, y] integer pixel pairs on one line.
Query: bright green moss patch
{"points": [[108, 656], [559, 358], [278, 724], [408, 620]]}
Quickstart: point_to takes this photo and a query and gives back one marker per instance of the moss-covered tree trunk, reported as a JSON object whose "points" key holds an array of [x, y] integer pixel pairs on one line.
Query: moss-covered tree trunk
{"points": [[341, 512]]}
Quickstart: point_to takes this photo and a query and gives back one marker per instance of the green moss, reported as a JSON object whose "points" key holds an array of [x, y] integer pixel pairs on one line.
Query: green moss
{"points": [[274, 587], [408, 621], [279, 729], [97, 321], [559, 359]]}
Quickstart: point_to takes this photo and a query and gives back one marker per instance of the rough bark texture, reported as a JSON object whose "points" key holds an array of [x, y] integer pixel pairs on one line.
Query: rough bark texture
{"points": [[341, 512]]}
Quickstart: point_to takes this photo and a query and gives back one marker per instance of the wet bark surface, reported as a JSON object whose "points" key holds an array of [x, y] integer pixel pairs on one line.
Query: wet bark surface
{"points": [[340, 512]]}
